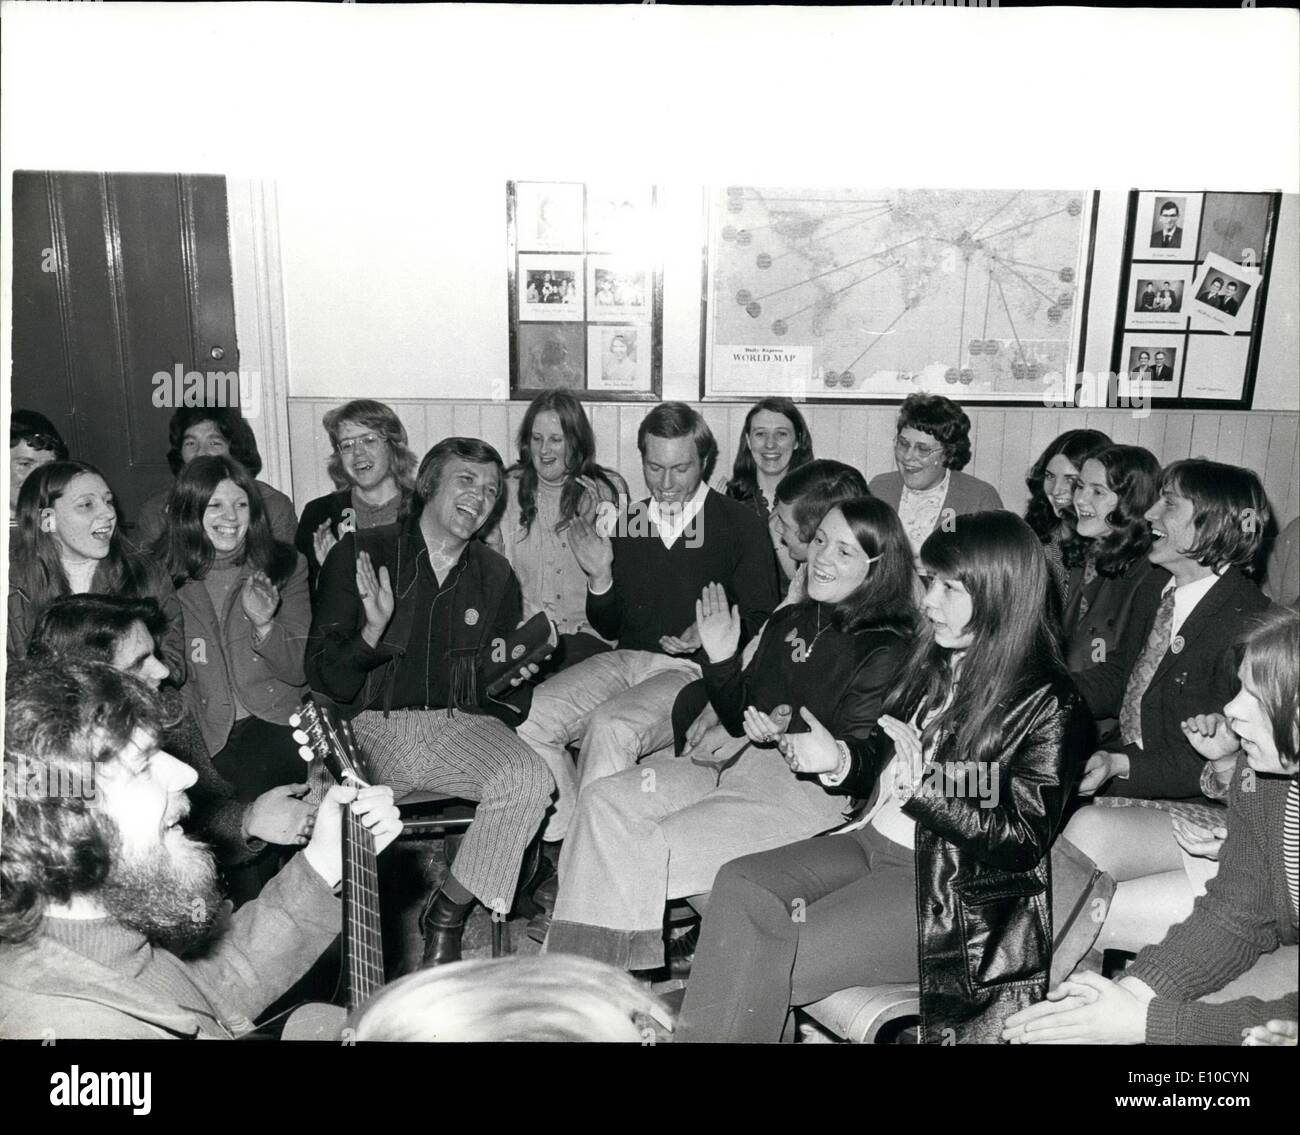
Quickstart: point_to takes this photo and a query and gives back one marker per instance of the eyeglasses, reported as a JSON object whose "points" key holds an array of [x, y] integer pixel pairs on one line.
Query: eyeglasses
{"points": [[924, 452], [367, 442]]}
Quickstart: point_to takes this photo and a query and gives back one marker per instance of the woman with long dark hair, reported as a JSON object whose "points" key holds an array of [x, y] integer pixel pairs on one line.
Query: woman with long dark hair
{"points": [[247, 615], [1238, 945], [1051, 484], [555, 479], [829, 658], [774, 441], [968, 773], [69, 542]]}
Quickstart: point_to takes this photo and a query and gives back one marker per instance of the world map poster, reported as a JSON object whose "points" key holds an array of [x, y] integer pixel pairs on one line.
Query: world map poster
{"points": [[878, 293]]}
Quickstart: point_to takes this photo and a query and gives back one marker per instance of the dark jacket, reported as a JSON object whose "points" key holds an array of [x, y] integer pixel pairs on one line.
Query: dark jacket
{"points": [[1199, 678], [1245, 913], [343, 667], [329, 507], [983, 873]]}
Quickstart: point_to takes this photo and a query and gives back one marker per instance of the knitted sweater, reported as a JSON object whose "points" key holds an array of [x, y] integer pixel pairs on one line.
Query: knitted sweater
{"points": [[1245, 913]]}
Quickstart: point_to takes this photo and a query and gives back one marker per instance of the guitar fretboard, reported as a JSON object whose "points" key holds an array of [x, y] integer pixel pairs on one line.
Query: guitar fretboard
{"points": [[363, 943]]}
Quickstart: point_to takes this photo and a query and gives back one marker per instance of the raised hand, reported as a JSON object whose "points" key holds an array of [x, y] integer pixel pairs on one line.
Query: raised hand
{"points": [[717, 623], [375, 590], [323, 539], [811, 752], [910, 757], [281, 815], [1209, 735], [260, 599], [594, 553]]}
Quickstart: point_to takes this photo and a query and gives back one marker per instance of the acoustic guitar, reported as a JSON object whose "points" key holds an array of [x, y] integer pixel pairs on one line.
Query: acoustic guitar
{"points": [[326, 735]]}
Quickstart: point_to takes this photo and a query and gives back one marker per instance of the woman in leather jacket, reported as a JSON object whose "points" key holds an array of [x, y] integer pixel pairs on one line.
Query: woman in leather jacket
{"points": [[943, 878]]}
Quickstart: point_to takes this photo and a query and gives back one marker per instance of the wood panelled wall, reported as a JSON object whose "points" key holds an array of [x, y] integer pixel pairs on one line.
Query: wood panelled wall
{"points": [[1005, 441]]}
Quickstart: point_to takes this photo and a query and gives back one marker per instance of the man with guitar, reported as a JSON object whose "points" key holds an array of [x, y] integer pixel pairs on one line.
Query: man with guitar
{"points": [[104, 900], [409, 618]]}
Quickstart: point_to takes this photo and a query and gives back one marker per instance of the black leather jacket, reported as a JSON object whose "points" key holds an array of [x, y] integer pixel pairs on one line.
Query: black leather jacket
{"points": [[982, 873]]}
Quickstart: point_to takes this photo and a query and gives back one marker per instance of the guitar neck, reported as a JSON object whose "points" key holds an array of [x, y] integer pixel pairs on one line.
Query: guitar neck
{"points": [[363, 943]]}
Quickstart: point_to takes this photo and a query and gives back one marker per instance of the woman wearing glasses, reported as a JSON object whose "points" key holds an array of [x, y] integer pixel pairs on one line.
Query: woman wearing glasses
{"points": [[931, 448], [373, 471]]}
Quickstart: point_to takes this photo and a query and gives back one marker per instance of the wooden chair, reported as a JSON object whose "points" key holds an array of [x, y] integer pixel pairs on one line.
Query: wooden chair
{"points": [[430, 814]]}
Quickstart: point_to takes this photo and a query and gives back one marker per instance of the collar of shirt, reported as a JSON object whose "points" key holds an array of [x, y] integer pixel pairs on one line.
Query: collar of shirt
{"points": [[671, 527], [924, 496], [1187, 597]]}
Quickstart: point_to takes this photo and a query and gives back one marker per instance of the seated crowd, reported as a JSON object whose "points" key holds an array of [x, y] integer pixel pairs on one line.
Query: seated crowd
{"points": [[797, 732]]}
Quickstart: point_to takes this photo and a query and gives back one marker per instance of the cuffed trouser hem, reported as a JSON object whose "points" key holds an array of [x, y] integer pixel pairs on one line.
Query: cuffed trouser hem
{"points": [[627, 949]]}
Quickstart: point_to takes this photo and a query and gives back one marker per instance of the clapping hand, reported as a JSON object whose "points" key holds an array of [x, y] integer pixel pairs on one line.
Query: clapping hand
{"points": [[909, 757], [811, 752], [594, 552], [260, 599], [717, 623], [323, 539], [375, 590]]}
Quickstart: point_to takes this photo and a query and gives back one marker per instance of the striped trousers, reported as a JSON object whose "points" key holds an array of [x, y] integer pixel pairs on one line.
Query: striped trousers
{"points": [[474, 757]]}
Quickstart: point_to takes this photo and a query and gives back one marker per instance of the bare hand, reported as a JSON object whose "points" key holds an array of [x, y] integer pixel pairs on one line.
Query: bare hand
{"points": [[260, 599], [1197, 840], [323, 539], [376, 594], [1209, 735], [594, 552], [373, 805], [1274, 1032], [717, 623], [688, 642], [526, 674], [1084, 1009], [1100, 768], [281, 815], [909, 761], [707, 720], [811, 752]]}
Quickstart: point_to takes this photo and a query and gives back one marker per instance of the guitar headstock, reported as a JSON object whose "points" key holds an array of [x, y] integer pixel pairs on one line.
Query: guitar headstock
{"points": [[330, 738]]}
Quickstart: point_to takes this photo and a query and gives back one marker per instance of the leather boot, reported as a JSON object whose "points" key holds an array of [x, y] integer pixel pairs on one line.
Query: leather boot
{"points": [[443, 922]]}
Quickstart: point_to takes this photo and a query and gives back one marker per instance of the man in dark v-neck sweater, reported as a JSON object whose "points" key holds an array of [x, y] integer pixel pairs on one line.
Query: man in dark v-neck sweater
{"points": [[643, 581]]}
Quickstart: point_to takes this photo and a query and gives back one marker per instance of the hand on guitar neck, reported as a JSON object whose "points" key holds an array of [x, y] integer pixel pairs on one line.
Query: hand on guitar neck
{"points": [[373, 806]]}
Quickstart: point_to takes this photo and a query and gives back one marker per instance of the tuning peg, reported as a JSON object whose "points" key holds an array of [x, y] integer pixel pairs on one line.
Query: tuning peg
{"points": [[295, 720], [306, 753], [300, 736]]}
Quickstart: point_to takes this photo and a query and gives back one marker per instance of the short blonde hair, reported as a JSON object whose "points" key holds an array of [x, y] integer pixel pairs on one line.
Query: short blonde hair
{"points": [[553, 997]]}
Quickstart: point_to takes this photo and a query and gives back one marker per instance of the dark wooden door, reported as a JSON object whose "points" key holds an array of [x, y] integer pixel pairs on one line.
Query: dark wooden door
{"points": [[120, 278]]}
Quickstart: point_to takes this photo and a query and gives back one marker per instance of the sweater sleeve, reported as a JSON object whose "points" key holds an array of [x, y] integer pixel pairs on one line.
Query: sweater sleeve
{"points": [[338, 658], [1231, 926], [728, 683], [1034, 786], [605, 611]]}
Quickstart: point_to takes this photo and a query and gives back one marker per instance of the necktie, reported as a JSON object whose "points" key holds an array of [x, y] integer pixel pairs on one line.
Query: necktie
{"points": [[1130, 712]]}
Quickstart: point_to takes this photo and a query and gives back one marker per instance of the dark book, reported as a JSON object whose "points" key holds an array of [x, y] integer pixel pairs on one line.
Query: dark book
{"points": [[534, 641]]}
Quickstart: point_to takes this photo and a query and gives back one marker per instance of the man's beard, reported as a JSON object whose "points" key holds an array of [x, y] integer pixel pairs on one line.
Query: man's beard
{"points": [[170, 895]]}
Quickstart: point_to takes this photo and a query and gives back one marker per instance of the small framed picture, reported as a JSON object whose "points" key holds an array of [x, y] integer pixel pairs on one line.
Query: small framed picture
{"points": [[1216, 368], [551, 288], [549, 216], [1236, 226], [1223, 295], [1167, 225], [1157, 295], [1151, 366], [619, 289], [551, 356], [618, 357], [619, 220]]}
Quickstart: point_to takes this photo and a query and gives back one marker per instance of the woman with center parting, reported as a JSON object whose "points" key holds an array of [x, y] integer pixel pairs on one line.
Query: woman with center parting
{"points": [[829, 659], [1227, 974], [948, 850], [555, 479], [373, 470], [928, 489], [207, 431], [246, 620], [69, 542], [1051, 485]]}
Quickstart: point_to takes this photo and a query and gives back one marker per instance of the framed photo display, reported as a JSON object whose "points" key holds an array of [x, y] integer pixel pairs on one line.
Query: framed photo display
{"points": [[1191, 300], [869, 295], [585, 290]]}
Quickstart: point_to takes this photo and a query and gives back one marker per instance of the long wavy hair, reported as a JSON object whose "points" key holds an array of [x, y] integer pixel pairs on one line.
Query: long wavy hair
{"points": [[184, 548], [228, 420], [384, 421], [1133, 475], [1076, 446], [744, 472], [36, 567], [884, 599], [62, 718], [580, 445], [997, 557]]}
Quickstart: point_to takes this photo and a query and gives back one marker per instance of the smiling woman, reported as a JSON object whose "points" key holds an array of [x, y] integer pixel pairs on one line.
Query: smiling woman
{"points": [[68, 542]]}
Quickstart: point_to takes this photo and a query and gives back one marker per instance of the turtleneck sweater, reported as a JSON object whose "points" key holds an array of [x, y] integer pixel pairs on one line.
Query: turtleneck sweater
{"points": [[222, 578]]}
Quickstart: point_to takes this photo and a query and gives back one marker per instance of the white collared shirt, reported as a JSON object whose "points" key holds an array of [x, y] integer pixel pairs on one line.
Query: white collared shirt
{"points": [[671, 528], [1187, 597], [919, 509]]}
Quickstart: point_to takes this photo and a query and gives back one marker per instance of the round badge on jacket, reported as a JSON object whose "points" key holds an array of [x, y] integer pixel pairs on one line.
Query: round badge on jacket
{"points": [[471, 616], [1177, 645]]}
